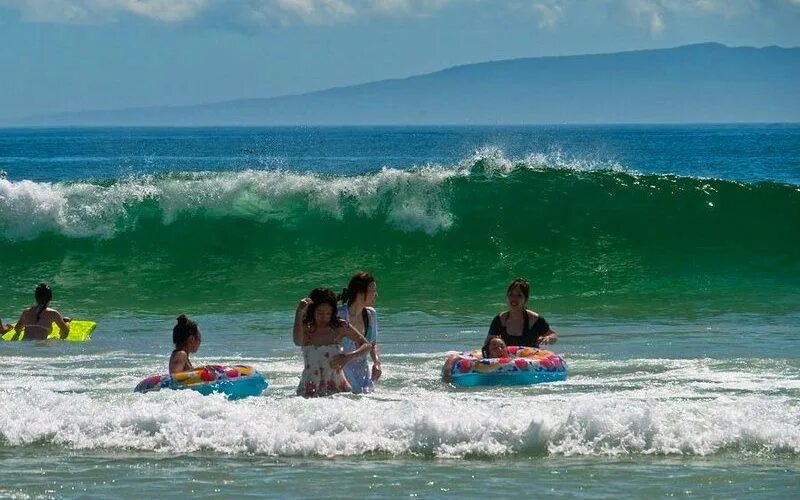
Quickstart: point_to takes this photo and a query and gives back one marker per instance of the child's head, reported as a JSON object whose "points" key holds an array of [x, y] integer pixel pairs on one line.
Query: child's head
{"points": [[495, 348], [362, 283], [186, 335], [322, 311], [43, 294]]}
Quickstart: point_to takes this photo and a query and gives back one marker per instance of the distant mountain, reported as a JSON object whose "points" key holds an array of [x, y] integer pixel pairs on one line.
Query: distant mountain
{"points": [[694, 83]]}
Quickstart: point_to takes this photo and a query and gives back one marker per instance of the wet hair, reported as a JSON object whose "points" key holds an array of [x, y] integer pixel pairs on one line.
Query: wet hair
{"points": [[359, 283], [183, 329], [321, 296], [485, 348], [523, 286], [43, 294]]}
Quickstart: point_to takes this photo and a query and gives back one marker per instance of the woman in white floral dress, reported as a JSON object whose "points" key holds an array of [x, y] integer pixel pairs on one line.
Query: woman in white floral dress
{"points": [[319, 331]]}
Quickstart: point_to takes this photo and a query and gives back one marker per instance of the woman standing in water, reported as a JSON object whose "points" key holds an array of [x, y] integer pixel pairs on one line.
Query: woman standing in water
{"points": [[358, 310], [37, 321], [319, 331], [518, 325]]}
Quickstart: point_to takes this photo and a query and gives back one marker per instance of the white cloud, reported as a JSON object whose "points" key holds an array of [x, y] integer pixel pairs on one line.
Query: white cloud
{"points": [[317, 10], [656, 24], [49, 11], [653, 15], [160, 10], [267, 12], [649, 12], [406, 7], [549, 12], [288, 12], [97, 11]]}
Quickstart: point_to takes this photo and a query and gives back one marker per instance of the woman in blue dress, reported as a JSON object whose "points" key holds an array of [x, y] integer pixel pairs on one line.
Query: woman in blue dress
{"points": [[358, 310]]}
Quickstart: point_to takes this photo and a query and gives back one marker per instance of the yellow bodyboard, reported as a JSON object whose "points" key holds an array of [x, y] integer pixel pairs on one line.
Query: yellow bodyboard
{"points": [[79, 331]]}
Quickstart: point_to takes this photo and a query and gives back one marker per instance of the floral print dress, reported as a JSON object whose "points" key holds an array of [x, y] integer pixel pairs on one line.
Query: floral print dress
{"points": [[318, 378]]}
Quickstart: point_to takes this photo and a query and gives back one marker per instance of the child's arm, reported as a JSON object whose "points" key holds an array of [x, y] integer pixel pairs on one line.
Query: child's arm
{"points": [[62, 324], [20, 322], [375, 352], [376, 362], [363, 346], [299, 332], [448, 368], [358, 339], [178, 362]]}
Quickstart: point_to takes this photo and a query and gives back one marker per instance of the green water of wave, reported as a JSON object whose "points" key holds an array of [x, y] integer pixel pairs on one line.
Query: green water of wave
{"points": [[602, 242]]}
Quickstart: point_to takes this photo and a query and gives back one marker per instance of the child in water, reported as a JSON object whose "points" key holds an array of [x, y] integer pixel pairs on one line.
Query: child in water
{"points": [[495, 347], [5, 328], [186, 337], [37, 321], [319, 331]]}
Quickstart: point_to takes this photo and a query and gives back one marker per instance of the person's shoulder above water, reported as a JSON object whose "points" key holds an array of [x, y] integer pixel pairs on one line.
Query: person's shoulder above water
{"points": [[528, 326], [187, 338], [37, 320]]}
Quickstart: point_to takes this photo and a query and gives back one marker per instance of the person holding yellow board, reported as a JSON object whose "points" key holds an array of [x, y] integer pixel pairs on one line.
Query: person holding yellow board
{"points": [[37, 321]]}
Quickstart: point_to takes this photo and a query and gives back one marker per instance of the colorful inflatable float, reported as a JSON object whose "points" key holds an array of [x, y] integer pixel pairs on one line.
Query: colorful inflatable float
{"points": [[236, 382], [523, 366]]}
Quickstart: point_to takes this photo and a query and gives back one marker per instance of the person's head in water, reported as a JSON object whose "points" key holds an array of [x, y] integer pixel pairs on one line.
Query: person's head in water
{"points": [[362, 285], [43, 295], [518, 293], [186, 335], [495, 348], [322, 311]]}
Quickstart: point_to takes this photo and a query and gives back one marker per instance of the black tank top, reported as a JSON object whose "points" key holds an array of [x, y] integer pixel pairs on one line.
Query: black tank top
{"points": [[530, 333]]}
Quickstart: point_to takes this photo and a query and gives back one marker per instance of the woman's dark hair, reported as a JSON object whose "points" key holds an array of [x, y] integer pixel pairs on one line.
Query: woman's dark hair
{"points": [[359, 283], [321, 296], [43, 294], [182, 330], [523, 286]]}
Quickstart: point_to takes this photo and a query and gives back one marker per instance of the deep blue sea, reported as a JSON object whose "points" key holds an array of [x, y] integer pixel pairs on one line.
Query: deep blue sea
{"points": [[667, 258]]}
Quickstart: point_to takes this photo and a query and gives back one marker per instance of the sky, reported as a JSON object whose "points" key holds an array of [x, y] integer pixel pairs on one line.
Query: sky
{"points": [[70, 55]]}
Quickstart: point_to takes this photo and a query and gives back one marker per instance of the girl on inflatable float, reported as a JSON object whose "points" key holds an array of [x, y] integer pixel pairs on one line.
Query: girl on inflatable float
{"points": [[235, 382], [186, 337]]}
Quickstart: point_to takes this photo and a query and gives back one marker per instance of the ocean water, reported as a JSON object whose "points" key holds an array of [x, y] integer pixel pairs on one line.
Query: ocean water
{"points": [[667, 258]]}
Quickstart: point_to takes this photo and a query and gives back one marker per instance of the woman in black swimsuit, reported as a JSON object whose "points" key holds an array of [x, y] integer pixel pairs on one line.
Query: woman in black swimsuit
{"points": [[519, 325]]}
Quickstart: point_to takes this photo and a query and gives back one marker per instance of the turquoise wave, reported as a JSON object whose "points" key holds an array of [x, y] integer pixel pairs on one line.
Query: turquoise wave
{"points": [[439, 238]]}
